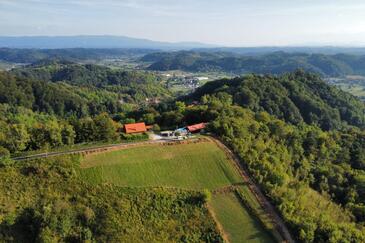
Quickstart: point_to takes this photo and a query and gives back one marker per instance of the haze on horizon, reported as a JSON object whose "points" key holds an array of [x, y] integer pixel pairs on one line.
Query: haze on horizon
{"points": [[229, 22]]}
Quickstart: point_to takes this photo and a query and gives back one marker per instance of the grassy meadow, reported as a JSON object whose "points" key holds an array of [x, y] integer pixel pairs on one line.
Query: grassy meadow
{"points": [[190, 166], [194, 166], [238, 224]]}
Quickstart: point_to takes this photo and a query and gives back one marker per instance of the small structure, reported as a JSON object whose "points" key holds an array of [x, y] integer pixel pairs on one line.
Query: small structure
{"points": [[181, 132], [202, 78], [196, 127], [167, 134], [136, 128]]}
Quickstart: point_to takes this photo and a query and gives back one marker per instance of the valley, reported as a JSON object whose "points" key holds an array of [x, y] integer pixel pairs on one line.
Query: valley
{"points": [[195, 121]]}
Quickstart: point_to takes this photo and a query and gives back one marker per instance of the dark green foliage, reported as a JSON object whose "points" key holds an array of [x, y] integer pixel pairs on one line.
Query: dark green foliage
{"points": [[293, 97], [129, 86], [315, 178], [24, 130], [44, 201], [105, 128], [134, 137], [55, 98], [79, 90], [5, 159]]}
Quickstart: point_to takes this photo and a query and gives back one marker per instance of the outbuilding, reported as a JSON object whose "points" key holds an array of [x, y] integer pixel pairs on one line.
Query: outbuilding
{"points": [[135, 128], [196, 127]]}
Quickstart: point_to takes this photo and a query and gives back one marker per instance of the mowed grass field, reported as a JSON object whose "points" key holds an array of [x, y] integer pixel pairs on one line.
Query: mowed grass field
{"points": [[194, 166], [236, 221], [189, 166]]}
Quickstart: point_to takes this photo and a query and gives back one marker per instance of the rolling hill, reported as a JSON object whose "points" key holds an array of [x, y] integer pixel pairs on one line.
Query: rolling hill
{"points": [[272, 63], [296, 97]]}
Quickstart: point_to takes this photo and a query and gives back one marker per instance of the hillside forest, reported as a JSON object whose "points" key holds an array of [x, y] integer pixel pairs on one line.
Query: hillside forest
{"points": [[301, 140]]}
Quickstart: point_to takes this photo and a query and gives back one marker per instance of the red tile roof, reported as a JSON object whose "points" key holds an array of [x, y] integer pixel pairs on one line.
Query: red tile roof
{"points": [[135, 127], [196, 127]]}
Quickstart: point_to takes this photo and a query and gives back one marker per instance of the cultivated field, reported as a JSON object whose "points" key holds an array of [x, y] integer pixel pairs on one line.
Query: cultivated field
{"points": [[236, 221], [190, 166], [196, 166]]}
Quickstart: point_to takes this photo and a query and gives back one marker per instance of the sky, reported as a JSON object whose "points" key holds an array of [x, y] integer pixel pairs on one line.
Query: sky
{"points": [[220, 22]]}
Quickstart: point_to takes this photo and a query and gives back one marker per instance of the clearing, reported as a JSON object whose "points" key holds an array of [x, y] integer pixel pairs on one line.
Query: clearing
{"points": [[190, 166], [194, 166]]}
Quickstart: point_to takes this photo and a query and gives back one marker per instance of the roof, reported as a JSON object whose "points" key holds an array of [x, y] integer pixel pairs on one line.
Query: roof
{"points": [[135, 127], [196, 127]]}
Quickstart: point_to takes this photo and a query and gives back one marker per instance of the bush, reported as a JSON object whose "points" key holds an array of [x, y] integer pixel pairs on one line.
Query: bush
{"points": [[206, 195], [4, 152], [5, 159], [156, 128], [134, 137]]}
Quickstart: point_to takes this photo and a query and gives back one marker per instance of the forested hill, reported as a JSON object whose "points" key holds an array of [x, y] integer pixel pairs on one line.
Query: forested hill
{"points": [[55, 98], [274, 63], [63, 89], [131, 85], [294, 97]]}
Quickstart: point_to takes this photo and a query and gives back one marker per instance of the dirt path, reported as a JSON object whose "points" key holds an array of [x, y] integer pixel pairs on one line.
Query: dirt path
{"points": [[265, 204], [110, 147]]}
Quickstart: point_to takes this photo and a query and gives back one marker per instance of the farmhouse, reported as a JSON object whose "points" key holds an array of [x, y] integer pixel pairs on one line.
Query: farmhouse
{"points": [[136, 128]]}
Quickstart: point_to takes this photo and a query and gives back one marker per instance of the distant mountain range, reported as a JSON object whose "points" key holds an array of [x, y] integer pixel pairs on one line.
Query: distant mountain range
{"points": [[93, 41], [124, 42]]}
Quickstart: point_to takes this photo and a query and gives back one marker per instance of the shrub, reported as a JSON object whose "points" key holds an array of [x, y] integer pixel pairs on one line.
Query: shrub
{"points": [[206, 195], [134, 137], [5, 159], [156, 128]]}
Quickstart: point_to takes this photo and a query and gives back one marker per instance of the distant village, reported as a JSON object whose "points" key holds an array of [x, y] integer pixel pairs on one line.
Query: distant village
{"points": [[190, 82]]}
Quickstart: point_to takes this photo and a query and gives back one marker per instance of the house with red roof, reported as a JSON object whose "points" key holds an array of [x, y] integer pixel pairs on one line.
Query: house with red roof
{"points": [[136, 128], [196, 127]]}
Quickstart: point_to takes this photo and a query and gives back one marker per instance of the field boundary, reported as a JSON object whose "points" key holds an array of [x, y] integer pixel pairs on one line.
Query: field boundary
{"points": [[219, 226], [111, 147], [278, 223]]}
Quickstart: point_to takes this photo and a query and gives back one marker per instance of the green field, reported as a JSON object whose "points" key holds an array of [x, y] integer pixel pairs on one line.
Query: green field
{"points": [[190, 166], [236, 221], [195, 166]]}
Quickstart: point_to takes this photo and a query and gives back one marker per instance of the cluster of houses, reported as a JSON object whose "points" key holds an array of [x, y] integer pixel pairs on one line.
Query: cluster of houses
{"points": [[180, 133], [190, 82]]}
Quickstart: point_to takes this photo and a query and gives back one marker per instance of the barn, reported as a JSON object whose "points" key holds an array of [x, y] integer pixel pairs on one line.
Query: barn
{"points": [[196, 127]]}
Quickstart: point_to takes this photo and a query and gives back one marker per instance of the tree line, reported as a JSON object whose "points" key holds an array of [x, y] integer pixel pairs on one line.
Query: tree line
{"points": [[23, 130]]}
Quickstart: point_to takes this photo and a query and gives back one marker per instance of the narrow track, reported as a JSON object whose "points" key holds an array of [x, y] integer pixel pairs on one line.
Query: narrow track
{"points": [[265, 204], [105, 148], [89, 150]]}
